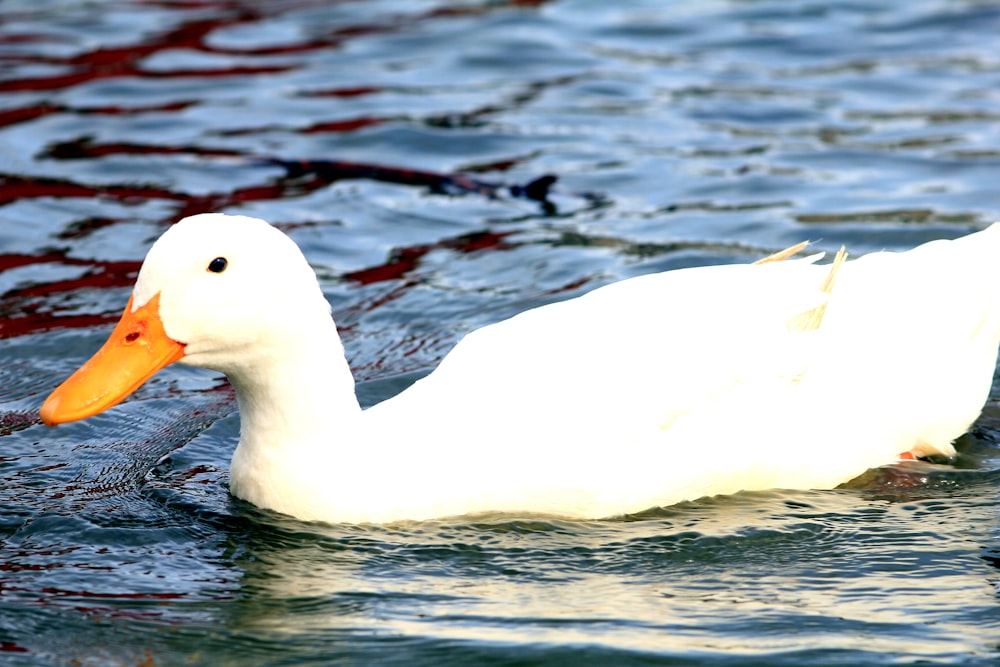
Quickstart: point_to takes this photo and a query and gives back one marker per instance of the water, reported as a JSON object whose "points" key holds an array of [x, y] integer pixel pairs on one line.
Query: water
{"points": [[681, 133]]}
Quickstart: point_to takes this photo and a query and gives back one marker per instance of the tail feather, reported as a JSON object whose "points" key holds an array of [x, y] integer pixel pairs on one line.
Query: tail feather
{"points": [[782, 255], [811, 319]]}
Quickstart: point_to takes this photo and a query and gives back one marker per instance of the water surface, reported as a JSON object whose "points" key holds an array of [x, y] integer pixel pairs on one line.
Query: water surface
{"points": [[681, 134]]}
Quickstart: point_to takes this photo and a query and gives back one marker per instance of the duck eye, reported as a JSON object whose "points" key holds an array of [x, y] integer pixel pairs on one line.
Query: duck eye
{"points": [[218, 265]]}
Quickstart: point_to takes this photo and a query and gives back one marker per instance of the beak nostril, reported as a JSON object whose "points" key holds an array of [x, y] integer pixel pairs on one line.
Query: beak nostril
{"points": [[132, 337]]}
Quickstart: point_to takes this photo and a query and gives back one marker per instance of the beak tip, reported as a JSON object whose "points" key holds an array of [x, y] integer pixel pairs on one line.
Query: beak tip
{"points": [[49, 410]]}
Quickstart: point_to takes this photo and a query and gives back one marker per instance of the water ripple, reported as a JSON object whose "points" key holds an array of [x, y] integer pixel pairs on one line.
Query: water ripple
{"points": [[407, 148]]}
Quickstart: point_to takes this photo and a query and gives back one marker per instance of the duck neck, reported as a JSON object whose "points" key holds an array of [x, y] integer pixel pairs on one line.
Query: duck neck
{"points": [[297, 402]]}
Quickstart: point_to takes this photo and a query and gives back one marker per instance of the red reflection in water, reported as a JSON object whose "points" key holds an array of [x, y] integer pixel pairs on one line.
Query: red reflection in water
{"points": [[113, 62], [17, 421], [120, 61], [101, 275], [32, 308], [349, 125], [85, 149], [12, 647], [404, 260], [357, 91], [25, 114], [321, 173], [23, 312]]}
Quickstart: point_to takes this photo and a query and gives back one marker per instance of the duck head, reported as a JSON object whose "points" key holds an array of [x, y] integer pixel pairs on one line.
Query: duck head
{"points": [[215, 291]]}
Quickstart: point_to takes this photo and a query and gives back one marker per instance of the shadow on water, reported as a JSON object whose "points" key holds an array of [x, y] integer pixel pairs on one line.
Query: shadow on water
{"points": [[444, 166]]}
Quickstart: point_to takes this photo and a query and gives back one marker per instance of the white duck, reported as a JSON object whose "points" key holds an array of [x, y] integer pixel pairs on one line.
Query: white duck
{"points": [[646, 392]]}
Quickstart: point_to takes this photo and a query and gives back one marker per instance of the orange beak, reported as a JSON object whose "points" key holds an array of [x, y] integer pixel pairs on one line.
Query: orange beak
{"points": [[137, 348]]}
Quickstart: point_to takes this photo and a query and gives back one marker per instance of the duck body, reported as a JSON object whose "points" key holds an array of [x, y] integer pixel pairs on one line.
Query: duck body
{"points": [[646, 392]]}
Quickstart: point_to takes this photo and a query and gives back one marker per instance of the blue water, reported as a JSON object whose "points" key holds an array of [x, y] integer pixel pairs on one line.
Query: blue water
{"points": [[681, 134]]}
